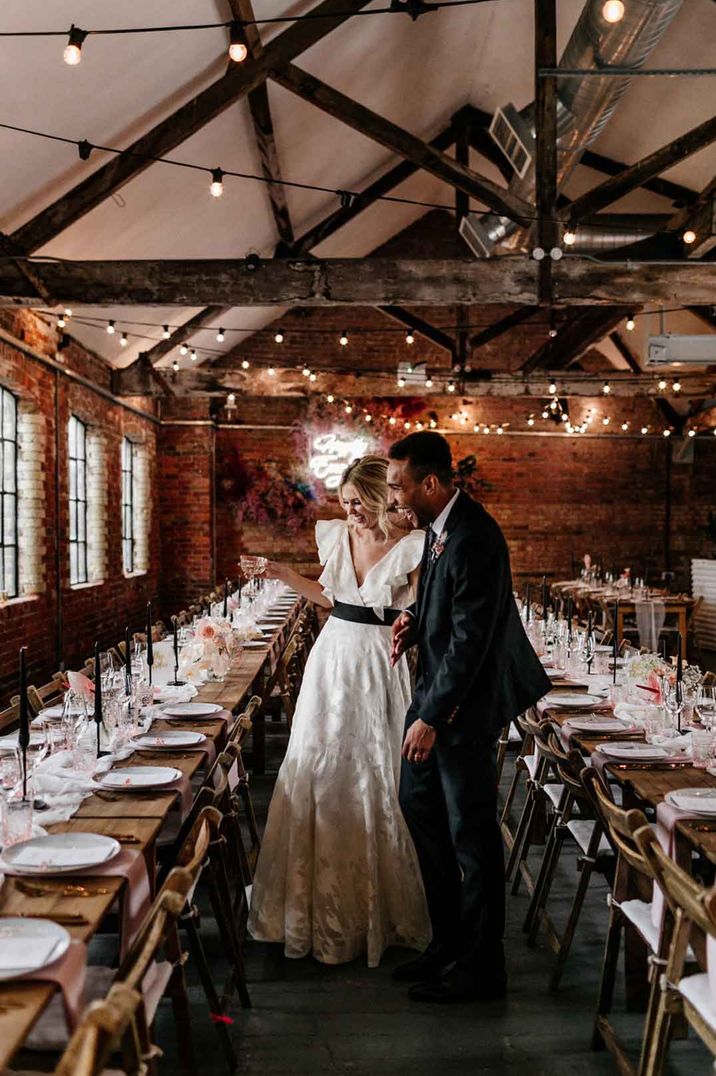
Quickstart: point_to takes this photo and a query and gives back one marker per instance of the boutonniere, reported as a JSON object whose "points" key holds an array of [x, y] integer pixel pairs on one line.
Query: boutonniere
{"points": [[439, 544]]}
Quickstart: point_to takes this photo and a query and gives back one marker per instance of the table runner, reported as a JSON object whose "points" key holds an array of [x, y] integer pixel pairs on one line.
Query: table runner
{"points": [[69, 974]]}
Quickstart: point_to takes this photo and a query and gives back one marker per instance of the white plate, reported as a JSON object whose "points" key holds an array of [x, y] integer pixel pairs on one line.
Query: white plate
{"points": [[192, 709], [9, 742], [599, 723], [37, 943], [638, 752], [555, 674], [255, 644], [573, 702], [168, 741], [693, 800], [133, 777], [59, 853], [545, 660]]}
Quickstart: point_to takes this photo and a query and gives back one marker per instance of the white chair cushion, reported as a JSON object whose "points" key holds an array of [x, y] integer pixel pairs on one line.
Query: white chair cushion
{"points": [[638, 912], [514, 735], [531, 762], [582, 830], [554, 792], [696, 990]]}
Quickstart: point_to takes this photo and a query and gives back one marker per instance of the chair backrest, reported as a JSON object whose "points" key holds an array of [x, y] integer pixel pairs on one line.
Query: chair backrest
{"points": [[681, 891], [251, 707], [114, 1024], [620, 827], [10, 717]]}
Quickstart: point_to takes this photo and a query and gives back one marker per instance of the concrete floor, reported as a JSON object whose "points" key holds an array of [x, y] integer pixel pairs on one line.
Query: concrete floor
{"points": [[351, 1020]]}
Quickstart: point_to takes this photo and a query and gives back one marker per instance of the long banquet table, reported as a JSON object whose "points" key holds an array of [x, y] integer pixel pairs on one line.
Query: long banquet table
{"points": [[136, 821]]}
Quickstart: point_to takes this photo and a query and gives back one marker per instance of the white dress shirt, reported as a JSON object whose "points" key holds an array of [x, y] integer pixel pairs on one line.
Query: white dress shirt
{"points": [[438, 525]]}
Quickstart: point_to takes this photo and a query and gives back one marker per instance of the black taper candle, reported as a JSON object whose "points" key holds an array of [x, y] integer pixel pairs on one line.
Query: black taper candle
{"points": [[226, 599], [544, 597], [679, 660], [615, 648], [573, 575], [569, 618], [127, 661], [97, 695], [527, 603], [23, 736], [176, 681], [150, 644]]}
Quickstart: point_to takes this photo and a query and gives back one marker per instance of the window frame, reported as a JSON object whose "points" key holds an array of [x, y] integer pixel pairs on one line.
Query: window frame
{"points": [[77, 501], [9, 492], [128, 462]]}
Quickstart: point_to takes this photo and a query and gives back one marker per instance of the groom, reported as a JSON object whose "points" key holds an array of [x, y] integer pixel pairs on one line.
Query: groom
{"points": [[476, 671]]}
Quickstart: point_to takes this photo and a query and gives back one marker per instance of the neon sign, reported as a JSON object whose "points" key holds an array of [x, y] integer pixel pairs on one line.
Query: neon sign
{"points": [[331, 453]]}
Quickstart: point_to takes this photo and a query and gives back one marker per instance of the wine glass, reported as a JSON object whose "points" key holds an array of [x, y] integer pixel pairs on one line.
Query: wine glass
{"points": [[705, 706], [674, 701]]}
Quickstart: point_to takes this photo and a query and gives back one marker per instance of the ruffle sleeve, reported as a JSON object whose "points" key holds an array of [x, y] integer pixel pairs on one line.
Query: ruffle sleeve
{"points": [[391, 575], [328, 535]]}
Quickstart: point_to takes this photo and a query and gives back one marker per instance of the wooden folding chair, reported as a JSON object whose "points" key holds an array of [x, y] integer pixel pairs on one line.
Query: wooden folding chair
{"points": [[691, 910], [542, 788], [630, 907], [113, 1026], [574, 821], [511, 739]]}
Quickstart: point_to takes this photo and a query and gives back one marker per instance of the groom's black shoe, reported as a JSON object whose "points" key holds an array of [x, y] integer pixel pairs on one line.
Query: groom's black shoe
{"points": [[458, 985], [429, 965]]}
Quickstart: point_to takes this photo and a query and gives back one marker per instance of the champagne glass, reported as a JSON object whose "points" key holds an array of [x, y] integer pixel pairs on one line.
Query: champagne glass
{"points": [[674, 701], [705, 706]]}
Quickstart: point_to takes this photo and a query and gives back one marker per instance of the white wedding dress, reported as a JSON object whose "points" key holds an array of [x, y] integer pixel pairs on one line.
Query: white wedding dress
{"points": [[337, 874]]}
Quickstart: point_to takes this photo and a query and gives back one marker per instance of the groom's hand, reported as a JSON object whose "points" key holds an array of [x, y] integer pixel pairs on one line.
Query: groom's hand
{"points": [[419, 741], [404, 636]]}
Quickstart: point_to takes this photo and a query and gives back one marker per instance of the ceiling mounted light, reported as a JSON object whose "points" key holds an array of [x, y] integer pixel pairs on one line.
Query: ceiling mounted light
{"points": [[613, 11], [237, 46], [216, 187], [73, 49]]}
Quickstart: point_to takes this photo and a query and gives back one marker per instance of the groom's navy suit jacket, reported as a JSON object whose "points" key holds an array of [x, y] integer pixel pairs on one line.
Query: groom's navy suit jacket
{"points": [[477, 669]]}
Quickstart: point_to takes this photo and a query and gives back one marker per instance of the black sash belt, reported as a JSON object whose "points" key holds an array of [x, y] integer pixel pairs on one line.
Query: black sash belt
{"points": [[359, 614]]}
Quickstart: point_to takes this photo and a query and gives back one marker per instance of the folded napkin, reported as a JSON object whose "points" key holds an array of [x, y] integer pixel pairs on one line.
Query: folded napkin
{"points": [[81, 685], [68, 973], [172, 693], [637, 713], [666, 819]]}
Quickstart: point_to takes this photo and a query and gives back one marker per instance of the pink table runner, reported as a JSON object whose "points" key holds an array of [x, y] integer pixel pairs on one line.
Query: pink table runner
{"points": [[68, 973]]}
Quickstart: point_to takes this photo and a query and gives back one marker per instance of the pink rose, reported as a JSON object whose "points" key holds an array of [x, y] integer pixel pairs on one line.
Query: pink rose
{"points": [[204, 630]]}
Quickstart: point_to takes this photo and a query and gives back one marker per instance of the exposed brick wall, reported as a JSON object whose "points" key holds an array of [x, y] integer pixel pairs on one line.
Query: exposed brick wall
{"points": [[67, 628]]}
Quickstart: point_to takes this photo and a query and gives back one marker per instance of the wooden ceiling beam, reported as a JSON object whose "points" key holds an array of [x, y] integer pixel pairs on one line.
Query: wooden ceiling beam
{"points": [[260, 110], [360, 282], [430, 332], [637, 174], [545, 53], [584, 329], [672, 416], [665, 188], [401, 142], [510, 321], [182, 123]]}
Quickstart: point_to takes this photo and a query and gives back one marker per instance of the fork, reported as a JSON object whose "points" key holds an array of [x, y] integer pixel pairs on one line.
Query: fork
{"points": [[38, 889]]}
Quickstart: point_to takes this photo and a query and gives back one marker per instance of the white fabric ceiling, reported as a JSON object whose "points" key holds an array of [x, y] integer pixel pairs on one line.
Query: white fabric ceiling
{"points": [[416, 74]]}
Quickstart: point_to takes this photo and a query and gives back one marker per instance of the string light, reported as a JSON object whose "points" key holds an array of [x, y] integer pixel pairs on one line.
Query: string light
{"points": [[676, 386], [193, 354], [531, 420], [545, 414], [645, 429], [553, 405], [662, 384], [220, 336], [312, 377], [306, 372], [689, 236], [271, 371], [61, 322], [606, 388], [551, 388], [606, 420], [73, 49], [476, 427], [237, 48], [486, 429], [110, 328], [613, 11], [330, 397], [570, 238], [348, 409], [392, 420], [245, 364], [428, 382], [433, 424], [500, 429], [451, 386], [278, 337], [630, 323], [401, 382], [123, 340], [183, 350], [692, 433], [165, 332], [667, 433], [625, 426], [216, 187], [409, 338], [343, 339], [68, 312], [231, 399], [368, 418], [175, 366], [406, 425]]}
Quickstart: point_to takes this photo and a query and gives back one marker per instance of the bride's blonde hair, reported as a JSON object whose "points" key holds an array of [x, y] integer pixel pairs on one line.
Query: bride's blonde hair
{"points": [[368, 474]]}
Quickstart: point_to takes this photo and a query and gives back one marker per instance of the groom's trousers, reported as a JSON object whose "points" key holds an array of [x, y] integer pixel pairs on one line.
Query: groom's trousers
{"points": [[450, 805]]}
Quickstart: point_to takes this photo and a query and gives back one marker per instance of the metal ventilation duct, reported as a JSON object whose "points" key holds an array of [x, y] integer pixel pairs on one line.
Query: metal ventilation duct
{"points": [[588, 100]]}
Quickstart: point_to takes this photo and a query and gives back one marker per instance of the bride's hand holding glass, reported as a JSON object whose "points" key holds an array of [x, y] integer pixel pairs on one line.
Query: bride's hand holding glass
{"points": [[275, 570]]}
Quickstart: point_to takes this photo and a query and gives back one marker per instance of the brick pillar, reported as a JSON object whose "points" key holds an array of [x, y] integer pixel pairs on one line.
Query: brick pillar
{"points": [[185, 466]]}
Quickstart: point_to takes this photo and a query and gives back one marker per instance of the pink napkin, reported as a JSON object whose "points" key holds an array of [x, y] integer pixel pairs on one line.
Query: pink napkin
{"points": [[81, 684], [136, 896], [666, 819], [68, 973]]}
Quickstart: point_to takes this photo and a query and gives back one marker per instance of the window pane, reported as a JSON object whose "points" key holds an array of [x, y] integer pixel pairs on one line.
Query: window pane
{"points": [[73, 563], [9, 465], [72, 437], [9, 412], [10, 572], [81, 524]]}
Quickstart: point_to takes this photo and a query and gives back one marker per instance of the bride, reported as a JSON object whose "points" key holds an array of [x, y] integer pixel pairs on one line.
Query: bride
{"points": [[337, 874]]}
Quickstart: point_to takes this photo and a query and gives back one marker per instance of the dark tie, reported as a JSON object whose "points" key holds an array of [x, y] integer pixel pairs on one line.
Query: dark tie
{"points": [[432, 540]]}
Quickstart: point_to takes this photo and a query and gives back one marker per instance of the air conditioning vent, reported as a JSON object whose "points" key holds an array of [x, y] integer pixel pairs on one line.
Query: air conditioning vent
{"points": [[477, 238], [514, 138], [676, 349]]}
